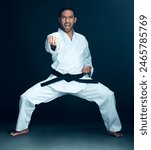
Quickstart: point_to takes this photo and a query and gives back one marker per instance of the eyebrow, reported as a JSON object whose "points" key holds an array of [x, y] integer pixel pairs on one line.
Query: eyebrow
{"points": [[67, 16]]}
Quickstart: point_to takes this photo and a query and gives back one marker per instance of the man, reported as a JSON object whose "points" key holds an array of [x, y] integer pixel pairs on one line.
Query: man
{"points": [[71, 74]]}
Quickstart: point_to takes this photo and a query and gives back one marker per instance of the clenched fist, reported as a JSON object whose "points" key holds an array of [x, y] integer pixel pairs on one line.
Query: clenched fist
{"points": [[86, 69], [53, 41]]}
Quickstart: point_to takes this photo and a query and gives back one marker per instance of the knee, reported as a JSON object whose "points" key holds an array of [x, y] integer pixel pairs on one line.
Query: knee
{"points": [[105, 92], [110, 93], [109, 98], [25, 97], [106, 97], [25, 101]]}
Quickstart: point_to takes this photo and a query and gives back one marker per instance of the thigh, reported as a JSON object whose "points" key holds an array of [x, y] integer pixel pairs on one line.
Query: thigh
{"points": [[37, 94], [93, 92]]}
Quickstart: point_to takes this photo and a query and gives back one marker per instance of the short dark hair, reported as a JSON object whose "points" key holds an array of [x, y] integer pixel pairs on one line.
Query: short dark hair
{"points": [[66, 8]]}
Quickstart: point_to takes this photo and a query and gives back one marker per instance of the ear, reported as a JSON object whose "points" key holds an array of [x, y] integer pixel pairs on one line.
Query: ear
{"points": [[75, 19]]}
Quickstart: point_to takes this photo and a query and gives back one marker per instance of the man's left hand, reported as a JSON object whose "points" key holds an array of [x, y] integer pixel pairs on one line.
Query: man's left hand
{"points": [[86, 69]]}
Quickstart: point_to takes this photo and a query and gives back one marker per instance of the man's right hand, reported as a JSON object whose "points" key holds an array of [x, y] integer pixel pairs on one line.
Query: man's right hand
{"points": [[53, 41]]}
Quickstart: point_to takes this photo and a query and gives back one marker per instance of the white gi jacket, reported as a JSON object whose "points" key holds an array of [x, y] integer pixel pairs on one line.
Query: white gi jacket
{"points": [[70, 56]]}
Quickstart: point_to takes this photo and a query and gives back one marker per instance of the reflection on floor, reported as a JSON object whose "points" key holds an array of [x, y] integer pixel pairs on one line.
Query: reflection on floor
{"points": [[64, 135]]}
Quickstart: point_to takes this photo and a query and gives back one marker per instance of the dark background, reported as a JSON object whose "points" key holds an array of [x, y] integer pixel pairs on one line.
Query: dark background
{"points": [[108, 27]]}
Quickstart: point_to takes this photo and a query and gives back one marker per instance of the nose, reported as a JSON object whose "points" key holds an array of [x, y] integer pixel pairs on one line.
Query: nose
{"points": [[67, 19]]}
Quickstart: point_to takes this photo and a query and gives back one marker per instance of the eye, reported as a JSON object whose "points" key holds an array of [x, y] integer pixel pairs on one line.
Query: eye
{"points": [[63, 17], [71, 17]]}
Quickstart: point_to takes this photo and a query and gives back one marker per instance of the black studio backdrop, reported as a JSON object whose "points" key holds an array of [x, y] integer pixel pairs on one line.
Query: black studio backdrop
{"points": [[108, 27]]}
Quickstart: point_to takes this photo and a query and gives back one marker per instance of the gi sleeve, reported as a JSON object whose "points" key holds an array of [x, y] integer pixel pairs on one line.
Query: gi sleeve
{"points": [[88, 58]]}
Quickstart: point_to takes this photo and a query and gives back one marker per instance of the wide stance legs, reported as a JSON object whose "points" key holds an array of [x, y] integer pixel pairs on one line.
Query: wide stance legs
{"points": [[98, 93]]}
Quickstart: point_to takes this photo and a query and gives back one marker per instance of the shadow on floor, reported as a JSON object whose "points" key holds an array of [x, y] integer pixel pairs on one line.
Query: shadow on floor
{"points": [[65, 136]]}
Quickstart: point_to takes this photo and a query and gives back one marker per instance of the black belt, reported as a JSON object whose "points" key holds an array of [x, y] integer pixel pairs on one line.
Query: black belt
{"points": [[67, 77]]}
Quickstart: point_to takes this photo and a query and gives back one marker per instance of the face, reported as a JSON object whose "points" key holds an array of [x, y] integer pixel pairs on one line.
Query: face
{"points": [[67, 20]]}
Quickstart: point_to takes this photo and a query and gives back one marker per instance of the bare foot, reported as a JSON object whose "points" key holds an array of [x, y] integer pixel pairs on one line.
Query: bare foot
{"points": [[115, 134], [17, 133]]}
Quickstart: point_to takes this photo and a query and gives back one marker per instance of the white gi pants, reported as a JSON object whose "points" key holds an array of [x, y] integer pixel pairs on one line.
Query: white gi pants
{"points": [[98, 93]]}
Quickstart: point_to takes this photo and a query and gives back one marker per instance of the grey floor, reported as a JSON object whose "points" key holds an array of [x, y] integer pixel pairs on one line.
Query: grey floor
{"points": [[64, 136]]}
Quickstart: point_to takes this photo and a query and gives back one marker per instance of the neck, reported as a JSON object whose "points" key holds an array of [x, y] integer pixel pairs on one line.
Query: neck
{"points": [[70, 34]]}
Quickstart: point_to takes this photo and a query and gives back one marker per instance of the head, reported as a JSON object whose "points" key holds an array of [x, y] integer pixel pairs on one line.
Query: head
{"points": [[67, 18]]}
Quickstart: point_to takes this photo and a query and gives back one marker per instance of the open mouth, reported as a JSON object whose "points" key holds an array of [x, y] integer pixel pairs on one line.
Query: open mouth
{"points": [[67, 25]]}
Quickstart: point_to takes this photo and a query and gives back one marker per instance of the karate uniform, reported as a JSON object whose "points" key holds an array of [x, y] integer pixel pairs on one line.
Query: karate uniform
{"points": [[70, 56]]}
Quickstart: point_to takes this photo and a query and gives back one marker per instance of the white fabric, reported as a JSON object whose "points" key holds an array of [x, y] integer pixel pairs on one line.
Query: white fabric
{"points": [[98, 93], [69, 57]]}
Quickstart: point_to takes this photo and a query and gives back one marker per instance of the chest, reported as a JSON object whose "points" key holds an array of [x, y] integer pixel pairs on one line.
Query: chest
{"points": [[74, 47]]}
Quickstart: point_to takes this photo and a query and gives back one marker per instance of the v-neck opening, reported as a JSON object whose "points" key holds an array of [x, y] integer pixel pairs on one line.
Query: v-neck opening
{"points": [[66, 35]]}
